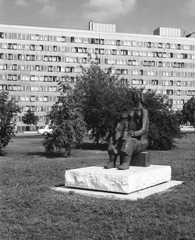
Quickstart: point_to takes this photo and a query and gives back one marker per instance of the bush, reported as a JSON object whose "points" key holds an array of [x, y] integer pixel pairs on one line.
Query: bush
{"points": [[189, 111], [8, 110], [67, 123], [30, 118], [164, 122]]}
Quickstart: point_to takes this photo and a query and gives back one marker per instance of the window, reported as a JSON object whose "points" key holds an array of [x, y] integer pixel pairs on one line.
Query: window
{"points": [[15, 46], [193, 92], [9, 77], [32, 47], [169, 92], [32, 98], [135, 53], [102, 41], [9, 45], [63, 39], [171, 83], [165, 83], [118, 43], [32, 78], [45, 99], [114, 51], [72, 39], [9, 87], [15, 88], [2, 35], [14, 77], [135, 72], [137, 81], [154, 82], [28, 57]]}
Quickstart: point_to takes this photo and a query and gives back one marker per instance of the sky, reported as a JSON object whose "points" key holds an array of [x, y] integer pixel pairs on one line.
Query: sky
{"points": [[130, 16]]}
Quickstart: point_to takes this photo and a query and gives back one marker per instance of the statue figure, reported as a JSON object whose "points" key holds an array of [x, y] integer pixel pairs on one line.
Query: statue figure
{"points": [[130, 136]]}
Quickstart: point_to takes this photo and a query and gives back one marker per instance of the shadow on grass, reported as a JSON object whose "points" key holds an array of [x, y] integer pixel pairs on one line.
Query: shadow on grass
{"points": [[50, 155], [84, 146], [40, 154], [92, 146], [59, 185]]}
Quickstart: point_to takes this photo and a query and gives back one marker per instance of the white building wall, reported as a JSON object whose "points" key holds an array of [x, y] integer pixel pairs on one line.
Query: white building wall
{"points": [[31, 74]]}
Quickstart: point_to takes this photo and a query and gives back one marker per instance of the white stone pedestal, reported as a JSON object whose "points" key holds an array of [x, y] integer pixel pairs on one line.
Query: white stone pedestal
{"points": [[118, 181]]}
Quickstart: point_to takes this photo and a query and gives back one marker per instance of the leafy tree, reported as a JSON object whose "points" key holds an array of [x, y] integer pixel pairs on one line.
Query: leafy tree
{"points": [[8, 110], [30, 118], [164, 122], [67, 122], [189, 111], [102, 96], [180, 117]]}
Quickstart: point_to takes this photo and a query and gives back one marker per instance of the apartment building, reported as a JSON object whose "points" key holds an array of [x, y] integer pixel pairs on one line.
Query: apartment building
{"points": [[34, 59]]}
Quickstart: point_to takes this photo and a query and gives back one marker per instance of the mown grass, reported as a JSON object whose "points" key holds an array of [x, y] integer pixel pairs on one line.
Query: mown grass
{"points": [[31, 210]]}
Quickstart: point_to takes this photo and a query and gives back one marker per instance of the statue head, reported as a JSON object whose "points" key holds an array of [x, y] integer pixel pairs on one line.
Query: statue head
{"points": [[137, 96], [124, 113]]}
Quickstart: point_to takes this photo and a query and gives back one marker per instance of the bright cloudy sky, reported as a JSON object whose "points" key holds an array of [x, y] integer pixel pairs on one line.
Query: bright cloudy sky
{"points": [[141, 16]]}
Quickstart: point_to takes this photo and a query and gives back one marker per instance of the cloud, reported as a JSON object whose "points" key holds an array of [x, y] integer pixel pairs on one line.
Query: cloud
{"points": [[22, 2], [102, 10], [49, 9], [189, 7], [44, 1]]}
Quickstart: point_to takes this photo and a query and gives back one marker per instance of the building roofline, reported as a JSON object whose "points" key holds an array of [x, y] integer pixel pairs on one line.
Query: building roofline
{"points": [[54, 29]]}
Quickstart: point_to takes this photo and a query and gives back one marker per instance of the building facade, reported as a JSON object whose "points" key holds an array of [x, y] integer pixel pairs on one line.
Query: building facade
{"points": [[34, 59]]}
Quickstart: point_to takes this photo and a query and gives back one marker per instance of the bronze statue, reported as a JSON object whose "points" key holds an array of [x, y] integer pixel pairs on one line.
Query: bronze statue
{"points": [[130, 136]]}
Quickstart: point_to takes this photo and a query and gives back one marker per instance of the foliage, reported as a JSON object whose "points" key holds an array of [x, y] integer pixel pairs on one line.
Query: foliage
{"points": [[8, 110], [189, 111], [180, 117], [67, 123], [164, 122], [102, 97], [30, 118]]}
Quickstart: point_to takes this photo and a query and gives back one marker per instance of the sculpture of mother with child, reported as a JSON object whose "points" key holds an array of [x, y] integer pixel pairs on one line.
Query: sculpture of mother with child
{"points": [[130, 137]]}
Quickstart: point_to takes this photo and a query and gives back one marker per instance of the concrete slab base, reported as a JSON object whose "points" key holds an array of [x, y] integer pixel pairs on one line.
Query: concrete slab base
{"points": [[163, 187], [117, 181]]}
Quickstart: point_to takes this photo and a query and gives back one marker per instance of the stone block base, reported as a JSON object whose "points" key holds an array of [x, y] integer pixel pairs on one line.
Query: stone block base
{"points": [[119, 181], [143, 159], [157, 189]]}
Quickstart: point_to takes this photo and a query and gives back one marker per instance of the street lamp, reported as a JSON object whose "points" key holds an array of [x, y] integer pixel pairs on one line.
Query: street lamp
{"points": [[189, 35]]}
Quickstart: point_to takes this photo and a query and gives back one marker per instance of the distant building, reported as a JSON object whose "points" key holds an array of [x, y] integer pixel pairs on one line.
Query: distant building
{"points": [[34, 59]]}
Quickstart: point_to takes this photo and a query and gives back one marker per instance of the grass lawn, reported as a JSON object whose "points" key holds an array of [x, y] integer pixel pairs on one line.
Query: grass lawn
{"points": [[31, 210]]}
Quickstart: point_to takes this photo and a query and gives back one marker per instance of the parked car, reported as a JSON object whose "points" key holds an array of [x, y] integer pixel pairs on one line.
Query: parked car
{"points": [[44, 130]]}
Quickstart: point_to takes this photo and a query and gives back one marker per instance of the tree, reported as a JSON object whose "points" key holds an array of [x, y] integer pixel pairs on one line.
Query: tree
{"points": [[180, 117], [189, 111], [67, 122], [102, 96], [30, 118], [8, 110], [164, 122]]}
